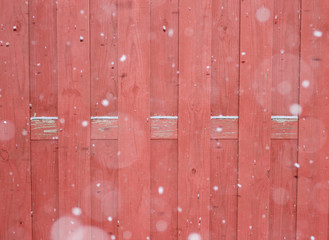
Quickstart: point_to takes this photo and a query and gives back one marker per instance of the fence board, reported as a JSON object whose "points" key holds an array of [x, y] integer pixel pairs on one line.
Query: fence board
{"points": [[44, 170], [104, 186], [73, 111], [224, 200], [283, 190], [43, 57], [15, 180], [194, 118], [225, 57], [134, 119], [313, 194], [255, 118], [104, 57]]}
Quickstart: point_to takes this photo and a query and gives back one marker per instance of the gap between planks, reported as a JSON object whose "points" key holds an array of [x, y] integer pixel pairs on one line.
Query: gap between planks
{"points": [[163, 127]]}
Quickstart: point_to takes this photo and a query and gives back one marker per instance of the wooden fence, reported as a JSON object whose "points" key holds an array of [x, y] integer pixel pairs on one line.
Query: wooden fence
{"points": [[164, 119]]}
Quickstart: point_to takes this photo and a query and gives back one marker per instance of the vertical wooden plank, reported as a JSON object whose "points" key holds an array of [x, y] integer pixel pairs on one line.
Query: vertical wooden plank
{"points": [[43, 57], [286, 44], [15, 182], [225, 57], [104, 57], [313, 194], [44, 170], [164, 96], [73, 109], [164, 189], [164, 58], [283, 192], [104, 186], [194, 118], [223, 179], [134, 122], [255, 118]]}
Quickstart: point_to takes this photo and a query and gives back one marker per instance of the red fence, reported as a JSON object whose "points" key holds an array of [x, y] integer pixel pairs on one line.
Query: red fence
{"points": [[189, 119]]}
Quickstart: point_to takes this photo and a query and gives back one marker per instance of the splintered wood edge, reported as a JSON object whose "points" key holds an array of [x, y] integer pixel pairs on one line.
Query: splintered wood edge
{"points": [[163, 128]]}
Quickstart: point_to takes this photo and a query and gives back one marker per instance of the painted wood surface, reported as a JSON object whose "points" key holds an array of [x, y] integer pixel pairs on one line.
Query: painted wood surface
{"points": [[194, 118], [15, 172], [313, 194], [73, 111], [134, 119], [283, 190], [44, 170], [164, 119], [104, 186], [255, 118], [224, 189]]}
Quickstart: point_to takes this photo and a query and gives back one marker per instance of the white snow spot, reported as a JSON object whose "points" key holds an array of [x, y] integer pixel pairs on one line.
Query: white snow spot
{"points": [[239, 185], [317, 33], [312, 237], [127, 235], [263, 14], [110, 219], [123, 58], [295, 109], [82, 12], [243, 53], [179, 209], [282, 51], [81, 38], [223, 221], [161, 226], [194, 236], [160, 190], [297, 165], [215, 188], [170, 32], [84, 123], [24, 132], [98, 184], [14, 28], [250, 227], [311, 161], [76, 211], [105, 102], [306, 83], [164, 28], [219, 129], [102, 34]]}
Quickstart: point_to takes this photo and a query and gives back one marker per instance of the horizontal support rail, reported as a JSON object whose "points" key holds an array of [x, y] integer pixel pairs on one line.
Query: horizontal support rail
{"points": [[165, 127]]}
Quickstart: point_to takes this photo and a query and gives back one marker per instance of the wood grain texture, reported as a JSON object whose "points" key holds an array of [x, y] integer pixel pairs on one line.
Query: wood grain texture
{"points": [[286, 44], [224, 190], [73, 110], [104, 57], [164, 57], [283, 191], [313, 194], [254, 118], [104, 186], [164, 205], [225, 57], [15, 177], [134, 119], [44, 170], [194, 118], [43, 57]]}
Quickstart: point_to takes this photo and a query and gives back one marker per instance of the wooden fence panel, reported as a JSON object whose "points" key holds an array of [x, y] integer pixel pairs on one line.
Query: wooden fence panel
{"points": [[187, 119]]}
